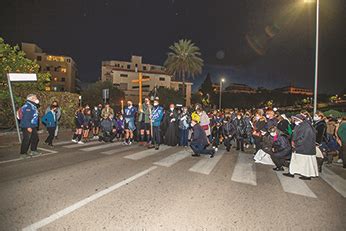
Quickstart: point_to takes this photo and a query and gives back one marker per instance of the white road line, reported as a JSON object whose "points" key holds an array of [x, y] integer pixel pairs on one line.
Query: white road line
{"points": [[62, 142], [244, 170], [49, 152], [84, 202], [206, 164], [146, 153], [100, 147], [81, 145], [117, 150], [173, 159], [295, 186], [335, 181]]}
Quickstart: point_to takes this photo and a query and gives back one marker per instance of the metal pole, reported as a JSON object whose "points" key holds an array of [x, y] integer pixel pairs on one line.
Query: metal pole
{"points": [[316, 55], [14, 108], [220, 94]]}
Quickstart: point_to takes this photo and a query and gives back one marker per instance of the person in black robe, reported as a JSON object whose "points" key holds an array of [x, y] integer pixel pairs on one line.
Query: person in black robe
{"points": [[171, 121]]}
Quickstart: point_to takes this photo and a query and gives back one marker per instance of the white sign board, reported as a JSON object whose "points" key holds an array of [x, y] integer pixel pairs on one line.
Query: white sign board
{"points": [[22, 77]]}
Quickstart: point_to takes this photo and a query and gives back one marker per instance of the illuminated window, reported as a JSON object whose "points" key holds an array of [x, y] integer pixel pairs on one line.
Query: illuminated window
{"points": [[55, 78], [55, 58], [63, 70]]}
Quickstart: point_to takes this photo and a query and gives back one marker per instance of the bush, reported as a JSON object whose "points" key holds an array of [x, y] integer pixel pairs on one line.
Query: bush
{"points": [[67, 101]]}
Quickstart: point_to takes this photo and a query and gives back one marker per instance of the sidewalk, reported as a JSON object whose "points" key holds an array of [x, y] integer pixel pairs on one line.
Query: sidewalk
{"points": [[10, 147]]}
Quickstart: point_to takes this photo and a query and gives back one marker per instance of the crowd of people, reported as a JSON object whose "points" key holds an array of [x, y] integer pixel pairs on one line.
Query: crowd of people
{"points": [[301, 142]]}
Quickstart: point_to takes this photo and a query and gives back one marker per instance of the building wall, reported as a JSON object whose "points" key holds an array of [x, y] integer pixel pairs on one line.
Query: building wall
{"points": [[62, 68], [122, 74]]}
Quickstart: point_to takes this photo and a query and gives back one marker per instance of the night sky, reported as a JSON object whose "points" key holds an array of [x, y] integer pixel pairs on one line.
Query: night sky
{"points": [[92, 31]]}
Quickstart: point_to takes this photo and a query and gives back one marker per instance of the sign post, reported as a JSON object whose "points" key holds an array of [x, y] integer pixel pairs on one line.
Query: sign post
{"points": [[105, 95], [18, 77]]}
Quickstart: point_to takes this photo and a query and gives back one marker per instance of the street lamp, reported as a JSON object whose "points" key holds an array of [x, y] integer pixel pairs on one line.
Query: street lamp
{"points": [[221, 81], [316, 51]]}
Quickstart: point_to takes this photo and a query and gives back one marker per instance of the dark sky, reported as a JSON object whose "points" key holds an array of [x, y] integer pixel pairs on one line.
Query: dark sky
{"points": [[92, 31]]}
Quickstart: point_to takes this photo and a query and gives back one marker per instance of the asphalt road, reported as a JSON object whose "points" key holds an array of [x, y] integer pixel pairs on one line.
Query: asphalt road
{"points": [[99, 186]]}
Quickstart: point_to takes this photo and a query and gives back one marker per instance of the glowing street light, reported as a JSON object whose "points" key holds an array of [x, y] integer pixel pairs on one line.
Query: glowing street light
{"points": [[221, 81], [316, 51]]}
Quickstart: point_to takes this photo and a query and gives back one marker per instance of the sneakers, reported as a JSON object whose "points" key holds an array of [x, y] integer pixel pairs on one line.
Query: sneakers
{"points": [[34, 153], [125, 143], [81, 142], [74, 141], [339, 161]]}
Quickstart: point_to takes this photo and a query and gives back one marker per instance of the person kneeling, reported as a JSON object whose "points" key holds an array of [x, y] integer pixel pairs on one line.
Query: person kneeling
{"points": [[199, 141], [281, 149], [107, 127]]}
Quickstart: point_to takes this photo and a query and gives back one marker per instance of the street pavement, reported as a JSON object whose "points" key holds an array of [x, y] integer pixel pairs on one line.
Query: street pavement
{"points": [[103, 186]]}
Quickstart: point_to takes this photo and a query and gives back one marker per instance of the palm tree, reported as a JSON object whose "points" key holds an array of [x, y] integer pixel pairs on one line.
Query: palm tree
{"points": [[184, 60]]}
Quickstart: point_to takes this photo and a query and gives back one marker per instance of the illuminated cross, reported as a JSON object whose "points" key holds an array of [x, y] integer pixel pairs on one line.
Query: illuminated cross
{"points": [[140, 80]]}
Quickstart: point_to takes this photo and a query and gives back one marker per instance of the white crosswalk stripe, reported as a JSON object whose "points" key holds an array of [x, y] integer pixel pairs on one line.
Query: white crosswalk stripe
{"points": [[335, 181], [146, 153], [173, 159], [295, 186], [81, 145], [103, 146], [62, 142], [206, 164], [244, 170], [117, 150]]}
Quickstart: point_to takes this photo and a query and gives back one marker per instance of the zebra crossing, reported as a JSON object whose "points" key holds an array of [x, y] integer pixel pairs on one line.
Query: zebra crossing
{"points": [[244, 171]]}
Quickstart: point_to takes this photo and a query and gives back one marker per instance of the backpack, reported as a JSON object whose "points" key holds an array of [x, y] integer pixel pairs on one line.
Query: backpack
{"points": [[20, 114]]}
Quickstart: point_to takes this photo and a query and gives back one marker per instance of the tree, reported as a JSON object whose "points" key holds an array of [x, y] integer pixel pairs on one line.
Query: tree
{"points": [[184, 60], [93, 94], [12, 59], [207, 85], [168, 96]]}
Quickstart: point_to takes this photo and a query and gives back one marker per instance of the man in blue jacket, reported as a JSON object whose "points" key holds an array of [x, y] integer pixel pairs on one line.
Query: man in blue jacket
{"points": [[29, 123], [156, 118], [129, 115]]}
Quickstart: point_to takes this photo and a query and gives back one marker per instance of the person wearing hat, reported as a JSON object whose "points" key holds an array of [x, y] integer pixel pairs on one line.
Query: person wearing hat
{"points": [[199, 141], [156, 118], [29, 123], [303, 159]]}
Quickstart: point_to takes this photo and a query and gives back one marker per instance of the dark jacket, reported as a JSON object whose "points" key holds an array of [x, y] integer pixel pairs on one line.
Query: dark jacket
{"points": [[304, 138], [199, 136], [240, 128], [30, 115], [321, 127], [282, 146]]}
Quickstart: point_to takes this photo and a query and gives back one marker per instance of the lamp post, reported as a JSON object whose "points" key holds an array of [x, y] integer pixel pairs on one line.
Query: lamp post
{"points": [[220, 97], [316, 51]]}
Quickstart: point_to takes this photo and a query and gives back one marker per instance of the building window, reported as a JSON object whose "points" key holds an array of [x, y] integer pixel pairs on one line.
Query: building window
{"points": [[128, 66], [124, 75], [146, 77], [144, 68], [55, 79], [63, 79], [48, 68], [68, 60], [162, 79], [143, 86], [63, 69], [39, 58], [56, 58]]}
